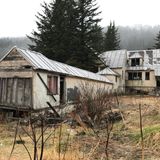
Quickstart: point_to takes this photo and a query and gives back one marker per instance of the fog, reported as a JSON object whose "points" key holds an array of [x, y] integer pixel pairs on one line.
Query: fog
{"points": [[132, 38]]}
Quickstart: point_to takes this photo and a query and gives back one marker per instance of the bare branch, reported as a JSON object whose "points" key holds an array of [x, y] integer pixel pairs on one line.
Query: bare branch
{"points": [[26, 148], [14, 142]]}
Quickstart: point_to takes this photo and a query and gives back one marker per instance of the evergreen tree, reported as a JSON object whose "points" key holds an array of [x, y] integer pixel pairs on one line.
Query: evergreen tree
{"points": [[157, 43], [56, 36], [111, 39], [89, 34], [68, 31]]}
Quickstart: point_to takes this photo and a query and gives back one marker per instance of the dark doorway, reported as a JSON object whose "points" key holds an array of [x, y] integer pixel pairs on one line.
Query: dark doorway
{"points": [[62, 90], [158, 81]]}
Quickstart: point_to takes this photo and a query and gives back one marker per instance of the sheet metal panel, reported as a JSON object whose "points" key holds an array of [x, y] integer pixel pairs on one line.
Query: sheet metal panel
{"points": [[115, 59], [107, 71], [39, 61]]}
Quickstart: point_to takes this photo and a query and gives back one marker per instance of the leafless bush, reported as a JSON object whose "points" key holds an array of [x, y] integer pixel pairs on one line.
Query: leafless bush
{"points": [[36, 131], [94, 103]]}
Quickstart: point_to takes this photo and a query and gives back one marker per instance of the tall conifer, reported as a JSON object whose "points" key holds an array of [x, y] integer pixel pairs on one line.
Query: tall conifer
{"points": [[56, 30], [68, 31], [157, 43], [112, 38]]}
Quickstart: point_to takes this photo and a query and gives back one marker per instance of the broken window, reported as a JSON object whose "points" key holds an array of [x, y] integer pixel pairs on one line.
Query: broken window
{"points": [[134, 75], [147, 76], [52, 84], [135, 62]]}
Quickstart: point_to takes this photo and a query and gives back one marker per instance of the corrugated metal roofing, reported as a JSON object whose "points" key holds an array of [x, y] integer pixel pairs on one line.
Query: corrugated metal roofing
{"points": [[39, 61], [107, 71], [115, 59]]}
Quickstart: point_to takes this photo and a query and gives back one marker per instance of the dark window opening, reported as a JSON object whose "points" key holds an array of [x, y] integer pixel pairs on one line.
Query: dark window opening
{"points": [[134, 75], [135, 62], [147, 76], [27, 67], [116, 79], [62, 89], [52, 84]]}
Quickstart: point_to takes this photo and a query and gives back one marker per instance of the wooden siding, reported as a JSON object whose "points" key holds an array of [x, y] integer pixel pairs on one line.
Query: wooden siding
{"points": [[16, 92], [14, 61], [13, 73]]}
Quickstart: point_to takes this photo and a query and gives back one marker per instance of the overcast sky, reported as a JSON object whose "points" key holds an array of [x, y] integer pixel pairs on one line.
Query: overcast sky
{"points": [[17, 17]]}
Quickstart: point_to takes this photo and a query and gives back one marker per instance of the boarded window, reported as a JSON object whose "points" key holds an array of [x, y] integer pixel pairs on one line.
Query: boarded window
{"points": [[52, 85], [16, 92], [147, 76], [134, 75]]}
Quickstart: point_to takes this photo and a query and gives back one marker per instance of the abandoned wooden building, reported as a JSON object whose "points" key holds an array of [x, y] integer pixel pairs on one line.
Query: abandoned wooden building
{"points": [[29, 79], [139, 70]]}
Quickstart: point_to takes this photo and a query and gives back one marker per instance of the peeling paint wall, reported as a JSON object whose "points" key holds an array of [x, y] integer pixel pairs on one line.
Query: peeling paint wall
{"points": [[40, 96], [115, 80], [143, 83], [121, 72], [74, 84]]}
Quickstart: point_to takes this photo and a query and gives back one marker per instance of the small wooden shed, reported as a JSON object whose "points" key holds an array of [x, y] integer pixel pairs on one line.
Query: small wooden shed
{"points": [[29, 79]]}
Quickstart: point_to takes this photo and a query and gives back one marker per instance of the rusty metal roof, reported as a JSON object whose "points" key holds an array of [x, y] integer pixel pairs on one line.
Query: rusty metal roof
{"points": [[39, 61]]}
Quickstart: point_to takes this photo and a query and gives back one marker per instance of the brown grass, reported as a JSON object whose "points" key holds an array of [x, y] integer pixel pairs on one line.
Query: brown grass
{"points": [[124, 142]]}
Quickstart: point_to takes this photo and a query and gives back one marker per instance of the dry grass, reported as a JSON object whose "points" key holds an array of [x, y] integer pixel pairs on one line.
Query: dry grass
{"points": [[124, 143]]}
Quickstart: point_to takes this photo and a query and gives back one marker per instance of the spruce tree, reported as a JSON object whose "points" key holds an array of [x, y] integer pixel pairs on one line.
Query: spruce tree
{"points": [[89, 34], [157, 43], [68, 31], [112, 38], [56, 35]]}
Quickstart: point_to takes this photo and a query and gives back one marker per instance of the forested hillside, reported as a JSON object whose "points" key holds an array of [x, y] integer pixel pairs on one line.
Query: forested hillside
{"points": [[138, 37], [132, 38]]}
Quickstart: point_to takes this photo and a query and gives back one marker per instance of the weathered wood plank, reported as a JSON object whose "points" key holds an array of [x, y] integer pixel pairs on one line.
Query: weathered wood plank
{"points": [[11, 74], [28, 92], [20, 92], [9, 90], [14, 91], [5, 95], [1, 89], [16, 63]]}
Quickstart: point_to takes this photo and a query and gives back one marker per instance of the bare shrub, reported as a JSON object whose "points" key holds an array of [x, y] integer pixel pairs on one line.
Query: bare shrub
{"points": [[95, 107], [94, 103]]}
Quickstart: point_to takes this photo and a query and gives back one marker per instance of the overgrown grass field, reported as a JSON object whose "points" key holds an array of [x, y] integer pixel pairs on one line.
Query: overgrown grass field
{"points": [[68, 143]]}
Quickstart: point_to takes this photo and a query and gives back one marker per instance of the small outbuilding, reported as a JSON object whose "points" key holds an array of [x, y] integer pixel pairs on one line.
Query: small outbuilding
{"points": [[112, 76]]}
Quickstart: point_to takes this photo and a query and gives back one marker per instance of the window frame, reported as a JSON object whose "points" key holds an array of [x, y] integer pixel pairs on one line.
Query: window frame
{"points": [[134, 75], [135, 62], [147, 76], [52, 84]]}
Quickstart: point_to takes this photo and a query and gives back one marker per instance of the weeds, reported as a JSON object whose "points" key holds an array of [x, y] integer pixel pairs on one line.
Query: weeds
{"points": [[102, 139]]}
